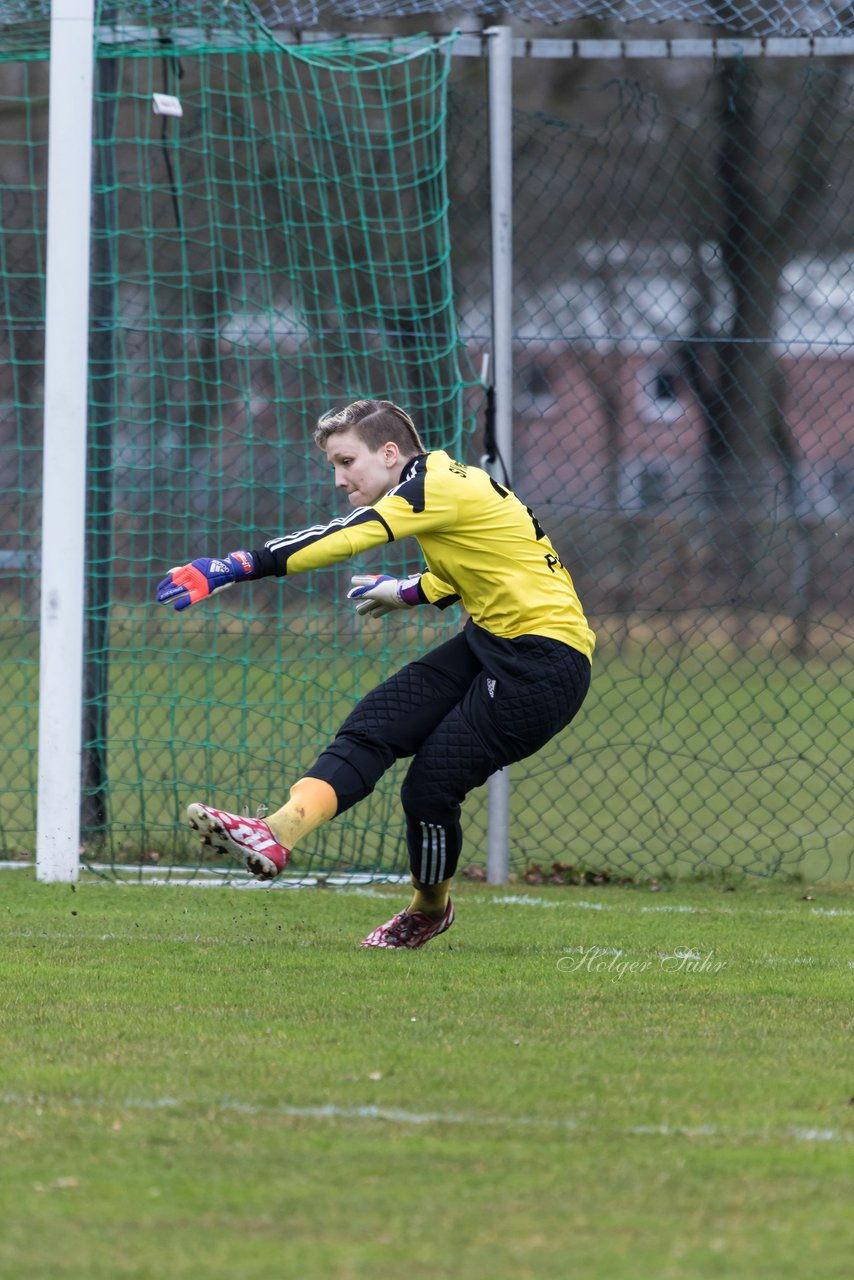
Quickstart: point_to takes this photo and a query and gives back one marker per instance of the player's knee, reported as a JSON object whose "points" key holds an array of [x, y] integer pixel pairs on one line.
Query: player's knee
{"points": [[424, 798]]}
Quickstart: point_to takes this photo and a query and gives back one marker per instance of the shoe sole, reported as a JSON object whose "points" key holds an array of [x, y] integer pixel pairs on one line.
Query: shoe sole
{"points": [[215, 836]]}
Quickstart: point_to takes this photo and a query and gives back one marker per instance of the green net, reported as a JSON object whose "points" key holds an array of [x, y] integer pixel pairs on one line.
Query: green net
{"points": [[279, 248], [23, 166]]}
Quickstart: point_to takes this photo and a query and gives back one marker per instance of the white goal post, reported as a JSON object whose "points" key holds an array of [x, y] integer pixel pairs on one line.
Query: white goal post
{"points": [[65, 414]]}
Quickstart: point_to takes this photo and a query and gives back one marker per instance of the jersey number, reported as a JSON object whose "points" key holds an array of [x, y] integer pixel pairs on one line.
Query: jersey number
{"points": [[505, 493]]}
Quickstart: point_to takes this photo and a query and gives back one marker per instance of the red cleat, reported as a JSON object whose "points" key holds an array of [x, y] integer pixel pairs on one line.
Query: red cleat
{"points": [[249, 840], [409, 929]]}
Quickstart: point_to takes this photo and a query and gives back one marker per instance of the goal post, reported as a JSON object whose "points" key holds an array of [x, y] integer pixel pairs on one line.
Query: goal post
{"points": [[65, 416], [500, 104]]}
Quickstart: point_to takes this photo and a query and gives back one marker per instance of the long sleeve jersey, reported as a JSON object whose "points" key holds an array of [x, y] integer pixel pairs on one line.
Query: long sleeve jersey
{"points": [[481, 546]]}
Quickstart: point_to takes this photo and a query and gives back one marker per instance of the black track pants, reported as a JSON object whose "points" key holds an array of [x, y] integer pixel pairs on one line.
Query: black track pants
{"points": [[469, 707]]}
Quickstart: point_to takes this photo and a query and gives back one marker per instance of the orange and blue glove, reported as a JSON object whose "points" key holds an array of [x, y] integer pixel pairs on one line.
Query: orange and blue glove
{"points": [[188, 583]]}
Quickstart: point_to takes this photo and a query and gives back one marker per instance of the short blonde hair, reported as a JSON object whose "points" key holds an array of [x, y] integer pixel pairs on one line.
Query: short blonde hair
{"points": [[375, 422]]}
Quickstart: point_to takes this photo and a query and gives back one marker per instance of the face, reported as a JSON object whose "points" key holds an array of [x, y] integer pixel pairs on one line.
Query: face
{"points": [[365, 475]]}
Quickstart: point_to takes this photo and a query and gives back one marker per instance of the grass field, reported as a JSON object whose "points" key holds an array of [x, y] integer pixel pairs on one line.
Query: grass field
{"points": [[608, 1084]]}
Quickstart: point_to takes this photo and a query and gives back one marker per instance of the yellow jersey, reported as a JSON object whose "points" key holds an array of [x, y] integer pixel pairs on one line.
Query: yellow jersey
{"points": [[481, 545]]}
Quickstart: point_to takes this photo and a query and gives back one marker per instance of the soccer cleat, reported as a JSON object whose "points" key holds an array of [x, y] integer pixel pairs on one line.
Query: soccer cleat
{"points": [[409, 929], [248, 839]]}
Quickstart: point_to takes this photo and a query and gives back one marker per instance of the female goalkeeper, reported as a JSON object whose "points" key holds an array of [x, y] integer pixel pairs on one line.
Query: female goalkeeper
{"points": [[516, 674]]}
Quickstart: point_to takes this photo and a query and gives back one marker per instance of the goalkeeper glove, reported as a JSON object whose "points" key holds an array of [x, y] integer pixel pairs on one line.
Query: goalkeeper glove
{"points": [[188, 583], [377, 594]]}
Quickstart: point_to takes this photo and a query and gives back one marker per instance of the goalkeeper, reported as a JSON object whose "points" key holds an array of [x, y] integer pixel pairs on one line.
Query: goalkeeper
{"points": [[516, 674]]}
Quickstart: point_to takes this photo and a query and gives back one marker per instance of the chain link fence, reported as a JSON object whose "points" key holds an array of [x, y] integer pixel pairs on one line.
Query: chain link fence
{"points": [[682, 426], [25, 24], [683, 354]]}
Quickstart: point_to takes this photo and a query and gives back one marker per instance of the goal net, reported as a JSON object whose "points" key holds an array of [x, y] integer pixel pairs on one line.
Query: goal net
{"points": [[279, 248]]}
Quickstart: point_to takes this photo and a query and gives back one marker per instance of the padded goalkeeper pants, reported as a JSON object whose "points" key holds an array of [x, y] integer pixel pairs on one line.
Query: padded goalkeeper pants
{"points": [[471, 706]]}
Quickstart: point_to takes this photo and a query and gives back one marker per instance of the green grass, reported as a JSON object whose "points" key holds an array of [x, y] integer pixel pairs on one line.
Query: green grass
{"points": [[223, 1084]]}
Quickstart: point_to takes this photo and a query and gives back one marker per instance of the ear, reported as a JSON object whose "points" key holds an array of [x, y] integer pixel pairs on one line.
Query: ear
{"points": [[391, 454]]}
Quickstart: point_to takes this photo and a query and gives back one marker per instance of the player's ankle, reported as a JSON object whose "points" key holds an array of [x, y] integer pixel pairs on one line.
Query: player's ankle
{"points": [[430, 899], [312, 802], [277, 834], [432, 913]]}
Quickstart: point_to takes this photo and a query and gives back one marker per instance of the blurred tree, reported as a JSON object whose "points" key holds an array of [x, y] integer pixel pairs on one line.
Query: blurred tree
{"points": [[737, 377]]}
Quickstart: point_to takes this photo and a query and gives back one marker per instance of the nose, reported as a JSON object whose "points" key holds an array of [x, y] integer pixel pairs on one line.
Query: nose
{"points": [[340, 480]]}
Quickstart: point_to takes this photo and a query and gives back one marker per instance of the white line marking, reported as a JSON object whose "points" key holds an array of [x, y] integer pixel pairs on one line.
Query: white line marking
{"points": [[520, 900], [526, 900], [685, 910], [397, 1115], [819, 1135], [601, 951], [221, 877]]}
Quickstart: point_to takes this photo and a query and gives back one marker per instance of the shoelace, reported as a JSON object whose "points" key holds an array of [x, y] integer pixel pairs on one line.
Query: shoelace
{"points": [[260, 812], [402, 927]]}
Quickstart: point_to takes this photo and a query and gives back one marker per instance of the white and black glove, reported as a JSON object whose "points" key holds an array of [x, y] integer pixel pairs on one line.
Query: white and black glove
{"points": [[376, 594]]}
